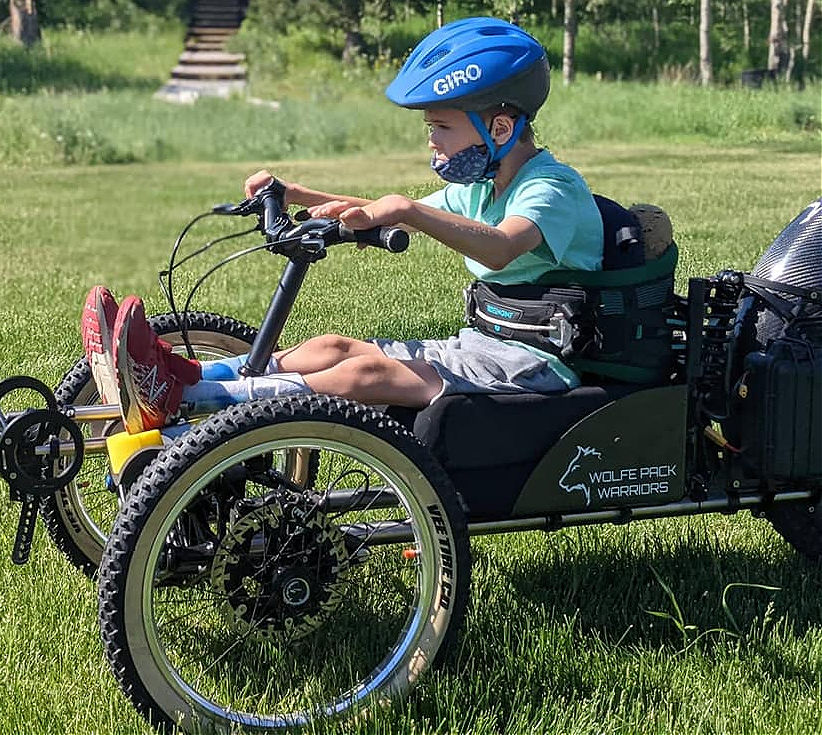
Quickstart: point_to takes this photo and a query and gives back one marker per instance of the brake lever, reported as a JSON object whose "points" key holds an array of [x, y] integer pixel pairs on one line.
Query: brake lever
{"points": [[227, 208], [241, 209], [314, 246]]}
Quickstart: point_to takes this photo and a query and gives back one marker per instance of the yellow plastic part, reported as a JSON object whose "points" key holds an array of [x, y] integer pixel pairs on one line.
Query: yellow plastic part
{"points": [[123, 445]]}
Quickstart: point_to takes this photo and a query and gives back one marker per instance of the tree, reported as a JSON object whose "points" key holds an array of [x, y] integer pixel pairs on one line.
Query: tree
{"points": [[706, 69], [777, 39], [23, 21], [806, 32], [568, 43]]}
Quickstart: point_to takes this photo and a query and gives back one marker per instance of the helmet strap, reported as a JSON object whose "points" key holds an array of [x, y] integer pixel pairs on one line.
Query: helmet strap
{"points": [[497, 154]]}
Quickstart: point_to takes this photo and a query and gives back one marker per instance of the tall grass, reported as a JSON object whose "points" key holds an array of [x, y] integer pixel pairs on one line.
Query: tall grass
{"points": [[86, 99]]}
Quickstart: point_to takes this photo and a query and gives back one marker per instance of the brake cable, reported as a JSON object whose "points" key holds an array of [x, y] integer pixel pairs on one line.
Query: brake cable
{"points": [[167, 288], [225, 261]]}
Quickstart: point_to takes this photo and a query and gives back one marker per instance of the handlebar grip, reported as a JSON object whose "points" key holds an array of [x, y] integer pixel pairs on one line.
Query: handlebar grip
{"points": [[393, 239]]}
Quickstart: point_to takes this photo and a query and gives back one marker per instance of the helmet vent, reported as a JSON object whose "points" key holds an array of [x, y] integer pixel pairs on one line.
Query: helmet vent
{"points": [[435, 57], [494, 31]]}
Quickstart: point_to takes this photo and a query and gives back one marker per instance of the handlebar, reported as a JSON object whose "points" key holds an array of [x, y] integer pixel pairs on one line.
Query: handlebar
{"points": [[311, 235], [303, 242], [393, 239]]}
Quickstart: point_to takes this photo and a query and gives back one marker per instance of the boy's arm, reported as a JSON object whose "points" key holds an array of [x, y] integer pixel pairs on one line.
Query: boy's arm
{"points": [[494, 247], [298, 194], [305, 197]]}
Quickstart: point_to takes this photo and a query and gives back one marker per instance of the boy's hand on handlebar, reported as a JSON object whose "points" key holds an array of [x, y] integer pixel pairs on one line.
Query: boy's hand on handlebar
{"points": [[257, 181], [332, 209], [384, 212]]}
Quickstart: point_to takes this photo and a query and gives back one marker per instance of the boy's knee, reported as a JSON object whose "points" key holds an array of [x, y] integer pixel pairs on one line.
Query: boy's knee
{"points": [[364, 370], [333, 345]]}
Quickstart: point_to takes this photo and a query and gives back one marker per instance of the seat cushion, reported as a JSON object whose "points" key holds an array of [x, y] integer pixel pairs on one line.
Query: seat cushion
{"points": [[473, 430]]}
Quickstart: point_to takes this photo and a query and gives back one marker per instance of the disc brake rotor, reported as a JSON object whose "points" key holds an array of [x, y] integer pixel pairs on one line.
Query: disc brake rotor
{"points": [[280, 569]]}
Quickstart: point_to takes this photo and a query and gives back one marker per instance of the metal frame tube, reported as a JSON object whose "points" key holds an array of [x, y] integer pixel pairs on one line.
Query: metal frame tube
{"points": [[93, 445], [394, 532], [360, 500], [83, 414]]}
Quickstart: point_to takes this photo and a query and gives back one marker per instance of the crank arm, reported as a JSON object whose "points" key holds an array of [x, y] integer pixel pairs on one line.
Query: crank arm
{"points": [[31, 447], [25, 530]]}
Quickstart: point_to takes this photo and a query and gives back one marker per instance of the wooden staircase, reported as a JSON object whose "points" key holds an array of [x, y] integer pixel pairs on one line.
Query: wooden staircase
{"points": [[205, 67]]}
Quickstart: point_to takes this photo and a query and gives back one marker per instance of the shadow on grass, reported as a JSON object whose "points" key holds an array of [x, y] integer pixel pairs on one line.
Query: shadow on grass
{"points": [[610, 597], [611, 593], [587, 618], [26, 72]]}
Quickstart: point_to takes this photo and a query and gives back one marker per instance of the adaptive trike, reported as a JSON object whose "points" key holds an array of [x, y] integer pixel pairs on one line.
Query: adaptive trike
{"points": [[281, 562]]}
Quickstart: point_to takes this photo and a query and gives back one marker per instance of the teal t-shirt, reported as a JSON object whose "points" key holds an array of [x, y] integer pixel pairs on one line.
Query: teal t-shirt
{"points": [[557, 200], [550, 194]]}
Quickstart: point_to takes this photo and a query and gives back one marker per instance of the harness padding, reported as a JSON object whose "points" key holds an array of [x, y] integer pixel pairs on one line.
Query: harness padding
{"points": [[611, 324]]}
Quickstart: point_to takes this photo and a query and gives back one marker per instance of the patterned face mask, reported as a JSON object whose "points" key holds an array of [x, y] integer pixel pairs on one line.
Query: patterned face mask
{"points": [[466, 166], [477, 162]]}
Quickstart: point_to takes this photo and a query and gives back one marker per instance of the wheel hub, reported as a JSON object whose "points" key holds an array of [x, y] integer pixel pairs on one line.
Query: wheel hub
{"points": [[296, 591], [280, 568]]}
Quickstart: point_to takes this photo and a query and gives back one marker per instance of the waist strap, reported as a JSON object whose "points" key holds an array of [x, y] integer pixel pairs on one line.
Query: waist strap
{"points": [[546, 318]]}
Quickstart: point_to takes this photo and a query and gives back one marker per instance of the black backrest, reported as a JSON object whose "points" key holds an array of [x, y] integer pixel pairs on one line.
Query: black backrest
{"points": [[622, 247]]}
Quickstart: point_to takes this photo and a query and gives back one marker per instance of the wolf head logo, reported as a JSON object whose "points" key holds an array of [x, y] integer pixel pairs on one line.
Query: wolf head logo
{"points": [[582, 457]]}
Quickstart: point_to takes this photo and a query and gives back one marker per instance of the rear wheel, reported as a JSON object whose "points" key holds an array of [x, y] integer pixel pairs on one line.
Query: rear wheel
{"points": [[800, 524], [234, 599], [79, 516]]}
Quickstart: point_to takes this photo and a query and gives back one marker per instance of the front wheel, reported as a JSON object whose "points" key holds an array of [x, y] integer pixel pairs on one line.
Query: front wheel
{"points": [[79, 516], [234, 599]]}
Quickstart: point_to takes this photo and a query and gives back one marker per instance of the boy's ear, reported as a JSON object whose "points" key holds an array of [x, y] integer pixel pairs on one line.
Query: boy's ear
{"points": [[502, 128]]}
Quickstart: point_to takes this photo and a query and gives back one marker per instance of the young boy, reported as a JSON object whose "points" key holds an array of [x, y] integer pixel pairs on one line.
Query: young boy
{"points": [[510, 208]]}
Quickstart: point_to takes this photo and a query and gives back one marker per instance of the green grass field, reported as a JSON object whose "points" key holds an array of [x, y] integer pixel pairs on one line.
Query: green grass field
{"points": [[559, 637]]}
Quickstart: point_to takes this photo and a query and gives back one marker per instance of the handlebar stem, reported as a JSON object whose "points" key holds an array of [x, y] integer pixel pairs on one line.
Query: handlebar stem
{"points": [[275, 318]]}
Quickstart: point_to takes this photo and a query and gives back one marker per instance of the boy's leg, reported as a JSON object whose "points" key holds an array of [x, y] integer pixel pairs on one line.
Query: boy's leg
{"points": [[153, 381], [323, 352], [318, 353], [376, 379], [369, 378]]}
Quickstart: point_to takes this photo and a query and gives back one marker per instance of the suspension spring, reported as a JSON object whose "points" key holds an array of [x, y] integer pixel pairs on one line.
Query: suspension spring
{"points": [[721, 305]]}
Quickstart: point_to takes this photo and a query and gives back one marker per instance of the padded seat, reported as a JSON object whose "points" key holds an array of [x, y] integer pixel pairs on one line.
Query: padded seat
{"points": [[489, 444]]}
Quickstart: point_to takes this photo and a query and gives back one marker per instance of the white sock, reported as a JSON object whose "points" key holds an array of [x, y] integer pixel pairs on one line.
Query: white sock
{"points": [[263, 386], [228, 368], [208, 396]]}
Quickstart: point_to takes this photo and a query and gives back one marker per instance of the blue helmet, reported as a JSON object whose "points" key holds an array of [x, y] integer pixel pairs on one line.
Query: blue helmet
{"points": [[471, 65]]}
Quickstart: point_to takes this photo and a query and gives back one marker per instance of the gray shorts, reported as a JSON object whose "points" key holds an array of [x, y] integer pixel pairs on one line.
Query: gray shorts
{"points": [[471, 362]]}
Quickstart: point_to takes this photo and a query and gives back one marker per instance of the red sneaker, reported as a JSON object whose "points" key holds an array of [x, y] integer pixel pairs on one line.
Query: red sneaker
{"points": [[97, 326], [150, 376]]}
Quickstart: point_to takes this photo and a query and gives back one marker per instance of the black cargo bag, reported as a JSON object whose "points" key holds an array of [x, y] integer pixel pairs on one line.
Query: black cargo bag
{"points": [[778, 402]]}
